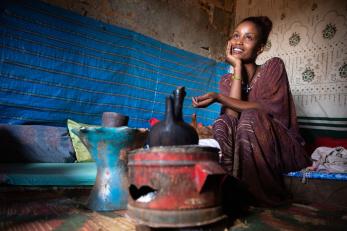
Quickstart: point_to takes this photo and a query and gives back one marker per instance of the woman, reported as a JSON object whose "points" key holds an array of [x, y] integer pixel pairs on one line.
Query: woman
{"points": [[257, 130]]}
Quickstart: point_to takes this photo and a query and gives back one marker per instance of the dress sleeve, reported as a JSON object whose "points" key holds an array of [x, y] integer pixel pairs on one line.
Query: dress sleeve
{"points": [[273, 90]]}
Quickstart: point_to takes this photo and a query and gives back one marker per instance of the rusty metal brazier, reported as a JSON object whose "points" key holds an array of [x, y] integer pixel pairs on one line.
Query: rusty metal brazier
{"points": [[175, 186]]}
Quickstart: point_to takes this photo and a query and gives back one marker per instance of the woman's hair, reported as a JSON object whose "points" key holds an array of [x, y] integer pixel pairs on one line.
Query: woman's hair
{"points": [[263, 23]]}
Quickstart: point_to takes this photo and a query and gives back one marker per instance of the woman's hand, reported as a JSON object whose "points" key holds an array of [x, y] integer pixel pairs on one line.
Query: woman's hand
{"points": [[235, 62], [204, 100]]}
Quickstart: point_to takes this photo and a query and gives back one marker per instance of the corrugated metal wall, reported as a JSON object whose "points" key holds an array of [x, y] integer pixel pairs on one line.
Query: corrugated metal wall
{"points": [[56, 65]]}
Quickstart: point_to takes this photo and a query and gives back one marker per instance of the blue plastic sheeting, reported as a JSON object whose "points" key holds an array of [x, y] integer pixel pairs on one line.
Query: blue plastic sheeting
{"points": [[55, 65], [319, 175], [58, 174]]}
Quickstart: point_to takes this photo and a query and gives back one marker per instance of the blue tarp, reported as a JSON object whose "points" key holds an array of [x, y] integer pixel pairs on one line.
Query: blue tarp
{"points": [[55, 65]]}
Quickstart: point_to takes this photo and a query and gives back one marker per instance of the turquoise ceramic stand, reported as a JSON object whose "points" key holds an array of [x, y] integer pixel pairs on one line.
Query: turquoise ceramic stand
{"points": [[110, 191]]}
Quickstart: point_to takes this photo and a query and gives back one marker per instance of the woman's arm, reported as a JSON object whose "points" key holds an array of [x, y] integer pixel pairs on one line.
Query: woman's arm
{"points": [[233, 104], [235, 79], [235, 91], [236, 105]]}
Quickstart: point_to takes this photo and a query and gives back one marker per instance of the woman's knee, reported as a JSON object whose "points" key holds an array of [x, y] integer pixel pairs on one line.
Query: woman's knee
{"points": [[223, 123], [222, 128], [252, 118], [225, 119]]}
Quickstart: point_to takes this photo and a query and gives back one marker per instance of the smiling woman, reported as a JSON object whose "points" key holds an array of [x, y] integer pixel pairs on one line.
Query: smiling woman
{"points": [[257, 129]]}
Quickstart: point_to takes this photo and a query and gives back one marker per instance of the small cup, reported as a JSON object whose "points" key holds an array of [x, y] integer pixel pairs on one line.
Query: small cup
{"points": [[113, 119]]}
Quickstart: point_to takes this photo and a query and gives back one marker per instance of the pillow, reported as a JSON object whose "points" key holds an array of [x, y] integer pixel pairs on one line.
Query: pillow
{"points": [[35, 143], [82, 153]]}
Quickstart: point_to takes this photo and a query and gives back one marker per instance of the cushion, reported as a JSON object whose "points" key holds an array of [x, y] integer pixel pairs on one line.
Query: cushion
{"points": [[55, 174], [35, 143], [82, 153]]}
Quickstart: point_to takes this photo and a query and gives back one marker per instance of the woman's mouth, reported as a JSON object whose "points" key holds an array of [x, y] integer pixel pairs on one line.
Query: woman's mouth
{"points": [[237, 50]]}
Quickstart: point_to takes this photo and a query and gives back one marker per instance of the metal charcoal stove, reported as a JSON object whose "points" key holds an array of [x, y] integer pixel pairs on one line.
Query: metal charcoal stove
{"points": [[175, 186]]}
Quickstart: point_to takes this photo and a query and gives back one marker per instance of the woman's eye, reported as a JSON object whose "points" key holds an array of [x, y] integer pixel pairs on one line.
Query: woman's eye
{"points": [[249, 37], [235, 36]]}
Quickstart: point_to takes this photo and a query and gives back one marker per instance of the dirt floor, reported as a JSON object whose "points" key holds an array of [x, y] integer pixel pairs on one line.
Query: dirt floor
{"points": [[28, 208]]}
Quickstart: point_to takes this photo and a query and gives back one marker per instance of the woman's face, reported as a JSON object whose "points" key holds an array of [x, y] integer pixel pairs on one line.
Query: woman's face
{"points": [[245, 42]]}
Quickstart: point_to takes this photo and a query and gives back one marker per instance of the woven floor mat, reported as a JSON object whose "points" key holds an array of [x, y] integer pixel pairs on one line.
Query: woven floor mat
{"points": [[56, 210], [64, 210]]}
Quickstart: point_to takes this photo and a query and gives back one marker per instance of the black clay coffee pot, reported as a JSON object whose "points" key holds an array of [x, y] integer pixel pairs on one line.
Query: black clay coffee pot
{"points": [[173, 130]]}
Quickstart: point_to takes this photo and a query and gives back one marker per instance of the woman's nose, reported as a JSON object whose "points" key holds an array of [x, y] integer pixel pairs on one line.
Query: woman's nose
{"points": [[239, 41]]}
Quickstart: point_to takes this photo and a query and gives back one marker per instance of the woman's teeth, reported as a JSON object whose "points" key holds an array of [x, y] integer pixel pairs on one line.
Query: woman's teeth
{"points": [[238, 50]]}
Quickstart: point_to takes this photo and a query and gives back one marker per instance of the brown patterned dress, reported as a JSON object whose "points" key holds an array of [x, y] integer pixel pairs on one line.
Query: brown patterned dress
{"points": [[261, 145]]}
